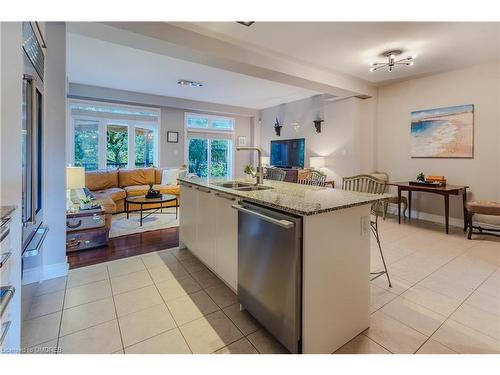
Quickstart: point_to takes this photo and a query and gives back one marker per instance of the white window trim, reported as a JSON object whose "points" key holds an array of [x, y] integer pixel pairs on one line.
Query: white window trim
{"points": [[209, 130], [103, 123]]}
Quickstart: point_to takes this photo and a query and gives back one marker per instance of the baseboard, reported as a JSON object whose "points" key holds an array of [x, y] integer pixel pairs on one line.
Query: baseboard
{"points": [[39, 274], [439, 218], [31, 275], [52, 271]]}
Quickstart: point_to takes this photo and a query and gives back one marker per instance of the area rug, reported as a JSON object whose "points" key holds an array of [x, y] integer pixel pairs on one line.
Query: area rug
{"points": [[121, 226]]}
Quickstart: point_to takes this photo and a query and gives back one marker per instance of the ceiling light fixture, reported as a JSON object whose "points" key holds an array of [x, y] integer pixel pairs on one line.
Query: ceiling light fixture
{"points": [[246, 23], [185, 82], [391, 61]]}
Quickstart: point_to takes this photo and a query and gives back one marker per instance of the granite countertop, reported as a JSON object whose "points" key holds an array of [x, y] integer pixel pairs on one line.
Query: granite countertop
{"points": [[297, 199], [6, 211]]}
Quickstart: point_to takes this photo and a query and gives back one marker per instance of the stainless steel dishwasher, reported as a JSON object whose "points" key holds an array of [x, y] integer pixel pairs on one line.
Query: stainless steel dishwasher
{"points": [[270, 270]]}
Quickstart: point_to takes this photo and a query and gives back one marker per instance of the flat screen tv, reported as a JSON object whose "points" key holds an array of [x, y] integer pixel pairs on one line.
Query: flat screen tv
{"points": [[288, 153]]}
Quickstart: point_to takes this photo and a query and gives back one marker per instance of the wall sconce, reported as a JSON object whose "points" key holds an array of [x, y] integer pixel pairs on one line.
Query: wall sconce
{"points": [[277, 127], [317, 125]]}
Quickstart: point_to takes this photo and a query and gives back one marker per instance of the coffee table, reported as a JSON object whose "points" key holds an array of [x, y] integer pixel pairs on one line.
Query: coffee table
{"points": [[141, 200]]}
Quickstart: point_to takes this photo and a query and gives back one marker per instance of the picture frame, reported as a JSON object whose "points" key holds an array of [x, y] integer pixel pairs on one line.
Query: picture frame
{"points": [[172, 137], [445, 132], [242, 140]]}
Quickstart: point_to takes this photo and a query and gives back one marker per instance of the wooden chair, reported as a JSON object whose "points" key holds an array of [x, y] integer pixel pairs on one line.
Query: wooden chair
{"points": [[275, 174], [393, 200], [364, 183], [313, 178]]}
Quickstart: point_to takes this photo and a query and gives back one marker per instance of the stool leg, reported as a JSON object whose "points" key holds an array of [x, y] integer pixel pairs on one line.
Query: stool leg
{"points": [[469, 222], [374, 228]]}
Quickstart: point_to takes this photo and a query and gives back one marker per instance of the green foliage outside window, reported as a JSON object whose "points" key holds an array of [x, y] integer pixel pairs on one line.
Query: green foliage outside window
{"points": [[117, 146], [86, 147], [144, 148], [220, 157], [198, 157]]}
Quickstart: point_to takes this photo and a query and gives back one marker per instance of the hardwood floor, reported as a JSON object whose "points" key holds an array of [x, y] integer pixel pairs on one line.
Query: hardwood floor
{"points": [[126, 246]]}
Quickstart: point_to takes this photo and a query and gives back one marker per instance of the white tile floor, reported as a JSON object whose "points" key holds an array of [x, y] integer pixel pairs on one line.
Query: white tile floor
{"points": [[445, 299], [164, 302]]}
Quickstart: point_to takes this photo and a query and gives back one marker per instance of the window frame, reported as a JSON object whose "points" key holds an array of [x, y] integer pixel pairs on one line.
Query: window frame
{"points": [[103, 123], [229, 134]]}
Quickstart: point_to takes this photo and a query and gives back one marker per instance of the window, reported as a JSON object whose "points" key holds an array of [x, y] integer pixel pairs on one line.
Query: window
{"points": [[209, 143], [209, 122], [197, 122], [112, 136], [198, 156], [117, 146], [86, 141], [219, 157], [144, 147]]}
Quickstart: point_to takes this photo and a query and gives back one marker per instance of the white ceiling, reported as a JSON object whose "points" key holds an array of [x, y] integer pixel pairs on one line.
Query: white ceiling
{"points": [[99, 63], [349, 47]]}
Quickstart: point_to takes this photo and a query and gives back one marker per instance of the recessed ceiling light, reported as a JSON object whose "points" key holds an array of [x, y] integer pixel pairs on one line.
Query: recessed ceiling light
{"points": [[185, 82], [246, 23]]}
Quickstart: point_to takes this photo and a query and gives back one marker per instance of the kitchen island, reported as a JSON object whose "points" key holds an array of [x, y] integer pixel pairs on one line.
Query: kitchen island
{"points": [[239, 232]]}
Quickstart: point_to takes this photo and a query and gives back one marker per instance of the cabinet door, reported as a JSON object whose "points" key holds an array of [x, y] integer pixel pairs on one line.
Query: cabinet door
{"points": [[205, 227], [226, 239], [187, 217]]}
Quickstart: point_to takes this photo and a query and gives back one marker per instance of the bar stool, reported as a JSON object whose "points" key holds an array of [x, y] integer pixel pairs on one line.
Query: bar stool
{"points": [[364, 183]]}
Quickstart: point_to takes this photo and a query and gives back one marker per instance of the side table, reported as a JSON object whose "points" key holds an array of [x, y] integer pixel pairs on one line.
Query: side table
{"points": [[87, 229]]}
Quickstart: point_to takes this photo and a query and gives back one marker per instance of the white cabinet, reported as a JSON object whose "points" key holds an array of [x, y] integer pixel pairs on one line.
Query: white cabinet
{"points": [[226, 239], [209, 228], [187, 219], [204, 246]]}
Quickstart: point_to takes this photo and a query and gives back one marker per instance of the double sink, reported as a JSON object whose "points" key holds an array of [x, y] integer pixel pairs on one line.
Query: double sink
{"points": [[243, 186]]}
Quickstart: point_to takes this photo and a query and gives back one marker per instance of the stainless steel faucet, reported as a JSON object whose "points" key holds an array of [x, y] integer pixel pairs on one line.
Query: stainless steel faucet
{"points": [[259, 174]]}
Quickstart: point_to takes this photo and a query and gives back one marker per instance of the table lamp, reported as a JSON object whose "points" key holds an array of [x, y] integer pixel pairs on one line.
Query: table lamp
{"points": [[317, 162], [264, 160], [75, 180]]}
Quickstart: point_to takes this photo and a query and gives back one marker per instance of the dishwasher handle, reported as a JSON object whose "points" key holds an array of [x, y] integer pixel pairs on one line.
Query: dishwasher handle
{"points": [[282, 223]]}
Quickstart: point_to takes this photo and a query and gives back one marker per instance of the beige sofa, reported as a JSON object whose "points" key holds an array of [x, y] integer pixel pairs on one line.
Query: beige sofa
{"points": [[110, 187]]}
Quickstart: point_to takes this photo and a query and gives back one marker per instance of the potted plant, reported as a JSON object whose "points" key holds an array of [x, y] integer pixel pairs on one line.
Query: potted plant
{"points": [[249, 171], [85, 203]]}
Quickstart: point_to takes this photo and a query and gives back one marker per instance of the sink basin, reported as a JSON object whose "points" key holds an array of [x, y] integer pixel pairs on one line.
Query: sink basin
{"points": [[243, 186], [253, 188], [235, 184]]}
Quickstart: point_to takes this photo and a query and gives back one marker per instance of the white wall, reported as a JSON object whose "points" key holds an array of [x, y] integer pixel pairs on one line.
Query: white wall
{"points": [[54, 171], [172, 119], [478, 85], [346, 138]]}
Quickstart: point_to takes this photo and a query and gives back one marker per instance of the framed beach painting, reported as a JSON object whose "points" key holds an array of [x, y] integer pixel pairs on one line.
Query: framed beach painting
{"points": [[443, 132]]}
